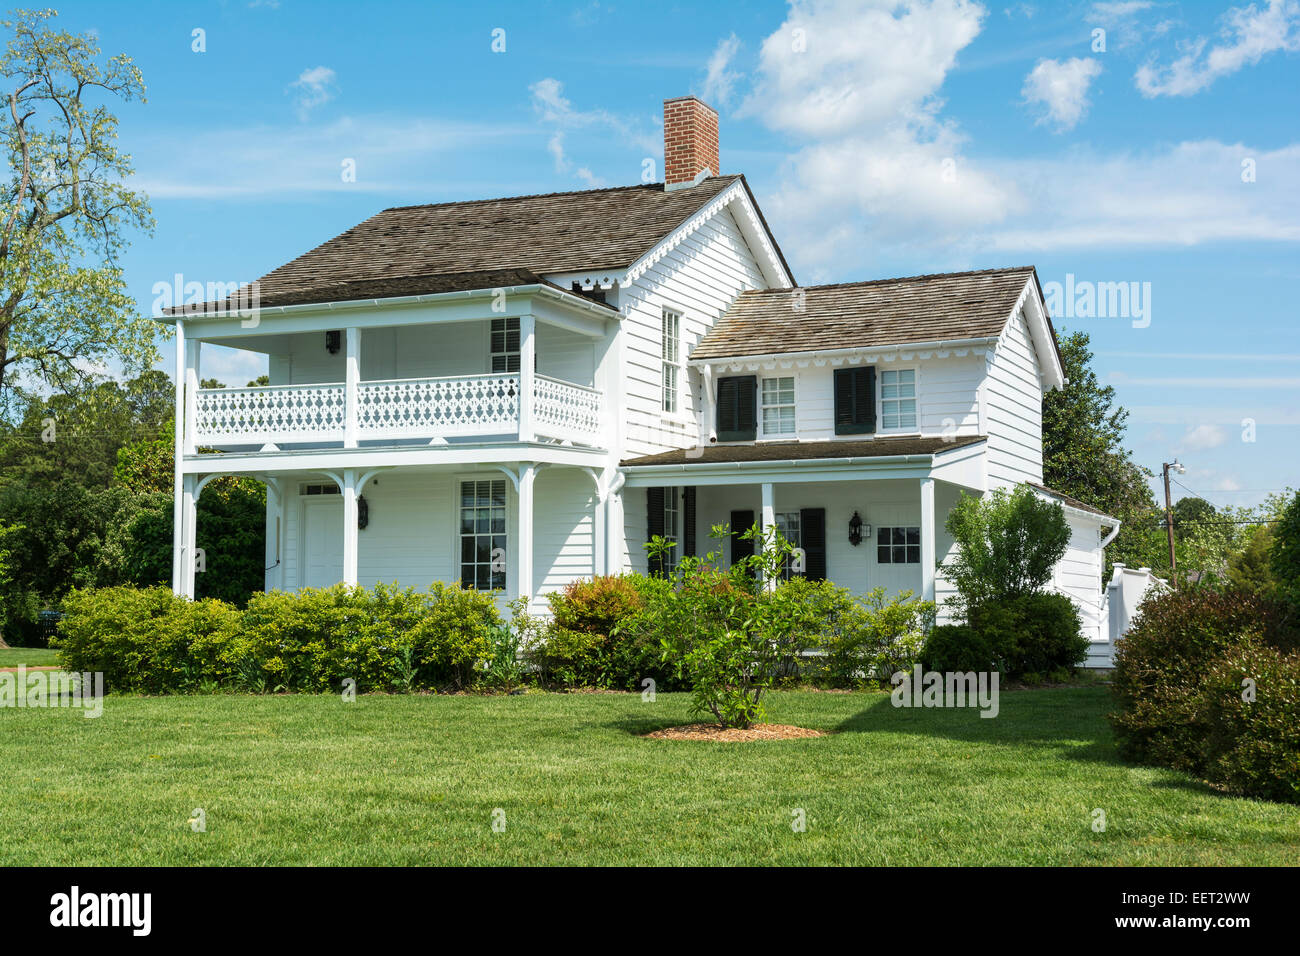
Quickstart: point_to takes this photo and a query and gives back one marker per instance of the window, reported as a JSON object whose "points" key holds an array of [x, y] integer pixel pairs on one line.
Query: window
{"points": [[672, 331], [778, 406], [672, 527], [898, 545], [483, 534], [787, 523], [326, 489], [898, 398], [505, 345]]}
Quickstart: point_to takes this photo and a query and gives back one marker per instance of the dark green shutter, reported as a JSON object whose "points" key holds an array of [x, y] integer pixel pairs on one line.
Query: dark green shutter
{"points": [[741, 521], [855, 400], [812, 538], [654, 507], [688, 521], [737, 411]]}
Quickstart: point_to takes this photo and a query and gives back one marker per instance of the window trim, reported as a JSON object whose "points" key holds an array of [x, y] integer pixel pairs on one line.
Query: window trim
{"points": [[674, 507], [906, 546], [456, 535], [793, 405], [797, 514], [914, 429]]}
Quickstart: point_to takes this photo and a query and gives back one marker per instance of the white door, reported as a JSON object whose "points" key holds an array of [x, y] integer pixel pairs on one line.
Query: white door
{"points": [[322, 545]]}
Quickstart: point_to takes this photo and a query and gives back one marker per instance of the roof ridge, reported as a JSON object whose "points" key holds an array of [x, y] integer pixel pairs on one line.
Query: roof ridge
{"points": [[865, 282], [570, 192]]}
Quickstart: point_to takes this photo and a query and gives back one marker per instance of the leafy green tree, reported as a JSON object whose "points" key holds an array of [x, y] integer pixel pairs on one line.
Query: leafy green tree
{"points": [[1284, 556], [1084, 457], [1250, 570], [65, 211], [1007, 545]]}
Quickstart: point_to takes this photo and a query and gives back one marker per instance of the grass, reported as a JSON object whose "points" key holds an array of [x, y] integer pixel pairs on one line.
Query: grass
{"points": [[415, 780], [29, 656]]}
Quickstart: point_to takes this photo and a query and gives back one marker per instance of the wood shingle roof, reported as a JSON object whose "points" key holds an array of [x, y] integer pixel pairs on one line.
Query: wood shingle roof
{"points": [[883, 312]]}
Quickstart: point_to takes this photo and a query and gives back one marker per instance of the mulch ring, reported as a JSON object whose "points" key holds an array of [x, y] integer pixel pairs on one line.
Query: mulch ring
{"points": [[730, 735]]}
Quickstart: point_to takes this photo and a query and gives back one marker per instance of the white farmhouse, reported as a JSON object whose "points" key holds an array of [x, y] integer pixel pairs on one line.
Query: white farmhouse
{"points": [[514, 393]]}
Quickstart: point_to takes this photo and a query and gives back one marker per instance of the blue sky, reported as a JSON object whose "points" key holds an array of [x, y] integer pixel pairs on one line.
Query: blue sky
{"points": [[881, 139]]}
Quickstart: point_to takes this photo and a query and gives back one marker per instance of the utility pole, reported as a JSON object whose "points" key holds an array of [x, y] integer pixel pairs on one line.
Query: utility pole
{"points": [[1169, 517]]}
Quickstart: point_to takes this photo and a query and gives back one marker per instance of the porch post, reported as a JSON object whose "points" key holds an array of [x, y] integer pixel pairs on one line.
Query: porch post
{"points": [[614, 525], [527, 372], [927, 539], [706, 406], [524, 563], [191, 392], [178, 452], [189, 522], [598, 560], [768, 518], [350, 526], [351, 381]]}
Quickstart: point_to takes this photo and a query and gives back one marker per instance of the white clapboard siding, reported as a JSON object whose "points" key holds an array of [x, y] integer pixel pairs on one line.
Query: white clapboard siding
{"points": [[1014, 409], [699, 278], [564, 501]]}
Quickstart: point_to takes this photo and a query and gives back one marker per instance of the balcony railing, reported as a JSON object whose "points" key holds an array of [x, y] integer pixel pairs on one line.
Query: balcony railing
{"points": [[413, 408]]}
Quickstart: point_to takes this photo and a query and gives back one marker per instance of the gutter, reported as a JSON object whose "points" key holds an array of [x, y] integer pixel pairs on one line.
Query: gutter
{"points": [[431, 297], [876, 349]]}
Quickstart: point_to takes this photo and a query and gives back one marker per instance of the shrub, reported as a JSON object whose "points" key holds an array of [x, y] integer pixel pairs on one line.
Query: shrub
{"points": [[1162, 662], [1032, 633], [1252, 741], [146, 640], [872, 637], [1284, 553], [959, 647], [1007, 545], [587, 643]]}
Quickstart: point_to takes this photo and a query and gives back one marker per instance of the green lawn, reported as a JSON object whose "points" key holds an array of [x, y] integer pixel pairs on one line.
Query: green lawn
{"points": [[30, 656], [415, 780]]}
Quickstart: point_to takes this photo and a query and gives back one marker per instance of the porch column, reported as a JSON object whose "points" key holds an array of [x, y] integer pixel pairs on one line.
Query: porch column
{"points": [[527, 372], [706, 406], [768, 518], [524, 563], [178, 478], [189, 515], [350, 526], [927, 539], [191, 392], [274, 534], [351, 381], [598, 561], [614, 525]]}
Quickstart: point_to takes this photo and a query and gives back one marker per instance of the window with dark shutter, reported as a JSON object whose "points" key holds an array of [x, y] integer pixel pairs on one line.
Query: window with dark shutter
{"points": [[855, 400], [741, 521], [812, 538], [737, 411], [654, 508], [688, 521]]}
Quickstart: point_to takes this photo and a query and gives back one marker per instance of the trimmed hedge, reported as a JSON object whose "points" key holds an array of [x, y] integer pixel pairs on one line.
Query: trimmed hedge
{"points": [[1180, 699], [150, 641], [1030, 636]]}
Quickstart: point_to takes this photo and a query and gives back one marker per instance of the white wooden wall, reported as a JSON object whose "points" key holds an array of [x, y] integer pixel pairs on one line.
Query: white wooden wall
{"points": [[1014, 408]]}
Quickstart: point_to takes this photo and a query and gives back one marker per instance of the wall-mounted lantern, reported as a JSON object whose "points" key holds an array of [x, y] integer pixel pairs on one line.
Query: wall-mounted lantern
{"points": [[333, 341], [363, 512], [855, 530]]}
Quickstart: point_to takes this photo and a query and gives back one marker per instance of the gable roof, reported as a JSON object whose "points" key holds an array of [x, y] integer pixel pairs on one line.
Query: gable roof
{"points": [[412, 250], [883, 312], [1066, 499]]}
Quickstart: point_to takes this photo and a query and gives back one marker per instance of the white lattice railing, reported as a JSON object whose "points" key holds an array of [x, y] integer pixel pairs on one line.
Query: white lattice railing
{"points": [[276, 413], [404, 408], [566, 411], [435, 407]]}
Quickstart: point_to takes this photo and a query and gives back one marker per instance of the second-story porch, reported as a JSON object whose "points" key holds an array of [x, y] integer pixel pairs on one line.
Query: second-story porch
{"points": [[430, 372]]}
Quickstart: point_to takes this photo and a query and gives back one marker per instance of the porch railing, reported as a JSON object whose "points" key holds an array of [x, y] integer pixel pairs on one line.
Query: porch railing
{"points": [[414, 408]]}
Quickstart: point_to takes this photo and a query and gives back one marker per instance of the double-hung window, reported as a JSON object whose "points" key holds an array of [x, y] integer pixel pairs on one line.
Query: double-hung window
{"points": [[787, 523], [898, 398], [778, 406], [898, 545], [483, 534], [505, 345], [672, 335], [672, 528]]}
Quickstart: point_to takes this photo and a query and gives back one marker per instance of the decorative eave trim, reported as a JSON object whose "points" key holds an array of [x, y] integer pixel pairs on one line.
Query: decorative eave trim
{"points": [[751, 225], [835, 358]]}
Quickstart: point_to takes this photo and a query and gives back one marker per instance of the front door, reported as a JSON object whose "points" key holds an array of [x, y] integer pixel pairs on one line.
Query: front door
{"points": [[322, 544]]}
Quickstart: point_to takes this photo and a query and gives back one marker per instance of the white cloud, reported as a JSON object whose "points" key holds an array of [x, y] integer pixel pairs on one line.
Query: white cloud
{"points": [[1203, 437], [1062, 87], [314, 87], [1248, 35], [557, 111], [720, 79]]}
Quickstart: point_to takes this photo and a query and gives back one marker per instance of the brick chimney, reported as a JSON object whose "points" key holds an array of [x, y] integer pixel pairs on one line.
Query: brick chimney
{"points": [[690, 141]]}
